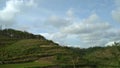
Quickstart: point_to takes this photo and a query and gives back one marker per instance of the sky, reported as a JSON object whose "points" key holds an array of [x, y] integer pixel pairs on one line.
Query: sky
{"points": [[77, 23]]}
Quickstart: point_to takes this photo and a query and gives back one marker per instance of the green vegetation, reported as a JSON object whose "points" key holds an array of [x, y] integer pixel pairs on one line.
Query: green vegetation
{"points": [[25, 65], [25, 50]]}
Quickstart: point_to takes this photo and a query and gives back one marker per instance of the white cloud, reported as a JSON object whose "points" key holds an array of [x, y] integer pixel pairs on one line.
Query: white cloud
{"points": [[102, 37], [70, 14], [92, 19], [57, 22], [47, 35], [92, 31], [90, 25], [32, 3], [80, 28], [56, 37], [61, 22], [23, 28], [10, 11], [116, 12], [116, 15], [112, 43]]}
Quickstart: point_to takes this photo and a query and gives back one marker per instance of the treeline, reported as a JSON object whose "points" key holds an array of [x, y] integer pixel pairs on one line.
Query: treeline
{"points": [[15, 34], [10, 36], [102, 57]]}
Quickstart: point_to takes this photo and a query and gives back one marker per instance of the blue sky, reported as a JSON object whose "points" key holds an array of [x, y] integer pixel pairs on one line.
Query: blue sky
{"points": [[77, 23]]}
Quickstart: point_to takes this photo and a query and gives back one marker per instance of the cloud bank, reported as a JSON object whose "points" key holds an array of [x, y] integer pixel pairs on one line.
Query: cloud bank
{"points": [[91, 31], [116, 12], [12, 9]]}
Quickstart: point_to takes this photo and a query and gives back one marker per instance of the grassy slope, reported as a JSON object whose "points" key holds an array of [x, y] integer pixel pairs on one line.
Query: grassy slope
{"points": [[38, 52], [23, 65], [27, 50], [24, 47]]}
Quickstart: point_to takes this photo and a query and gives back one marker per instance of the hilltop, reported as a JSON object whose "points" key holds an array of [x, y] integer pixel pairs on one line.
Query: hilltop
{"points": [[20, 49]]}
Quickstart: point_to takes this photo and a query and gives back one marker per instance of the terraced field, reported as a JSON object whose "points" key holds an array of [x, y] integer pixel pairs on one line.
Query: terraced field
{"points": [[25, 50]]}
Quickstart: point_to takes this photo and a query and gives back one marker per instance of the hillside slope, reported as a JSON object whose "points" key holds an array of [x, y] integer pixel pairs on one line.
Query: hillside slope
{"points": [[20, 49]]}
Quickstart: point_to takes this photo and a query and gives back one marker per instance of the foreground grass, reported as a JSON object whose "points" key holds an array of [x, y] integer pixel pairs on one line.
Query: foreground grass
{"points": [[24, 65]]}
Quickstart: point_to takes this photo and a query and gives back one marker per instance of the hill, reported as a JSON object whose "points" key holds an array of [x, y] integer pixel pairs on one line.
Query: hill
{"points": [[20, 49]]}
